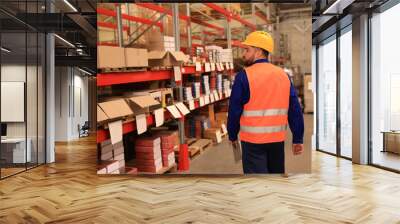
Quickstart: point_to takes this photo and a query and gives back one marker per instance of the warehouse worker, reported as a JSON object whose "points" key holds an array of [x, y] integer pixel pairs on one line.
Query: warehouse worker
{"points": [[263, 101]]}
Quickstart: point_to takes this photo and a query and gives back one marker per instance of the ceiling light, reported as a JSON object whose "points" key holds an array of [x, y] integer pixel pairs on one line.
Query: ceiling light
{"points": [[70, 5], [65, 41], [5, 50], [338, 6], [86, 72]]}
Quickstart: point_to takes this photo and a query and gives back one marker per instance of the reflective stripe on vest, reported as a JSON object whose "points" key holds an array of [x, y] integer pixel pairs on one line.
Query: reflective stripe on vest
{"points": [[263, 129], [263, 113]]}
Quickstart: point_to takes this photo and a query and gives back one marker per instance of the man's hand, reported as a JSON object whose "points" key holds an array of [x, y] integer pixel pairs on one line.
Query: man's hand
{"points": [[235, 144], [297, 149], [237, 153]]}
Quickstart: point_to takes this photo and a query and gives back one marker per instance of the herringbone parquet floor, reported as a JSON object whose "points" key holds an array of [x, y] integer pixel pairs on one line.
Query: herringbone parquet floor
{"points": [[70, 192]]}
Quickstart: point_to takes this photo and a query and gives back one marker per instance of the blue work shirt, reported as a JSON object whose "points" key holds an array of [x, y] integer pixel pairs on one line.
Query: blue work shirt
{"points": [[241, 95]]}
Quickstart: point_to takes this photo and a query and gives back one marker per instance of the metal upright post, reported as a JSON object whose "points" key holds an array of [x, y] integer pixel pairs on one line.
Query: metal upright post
{"points": [[119, 26], [183, 148], [189, 30], [177, 48], [228, 32]]}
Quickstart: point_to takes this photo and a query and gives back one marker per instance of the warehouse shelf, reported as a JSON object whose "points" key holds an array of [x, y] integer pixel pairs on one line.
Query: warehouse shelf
{"points": [[114, 78], [130, 126]]}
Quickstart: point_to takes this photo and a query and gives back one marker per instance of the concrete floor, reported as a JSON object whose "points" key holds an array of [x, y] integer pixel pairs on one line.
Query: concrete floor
{"points": [[219, 158]]}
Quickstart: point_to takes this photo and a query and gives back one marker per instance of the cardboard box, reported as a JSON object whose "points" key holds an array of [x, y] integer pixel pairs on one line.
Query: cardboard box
{"points": [[143, 104], [169, 159], [121, 163], [119, 157], [136, 57], [101, 116], [221, 116], [118, 151], [150, 169], [166, 58], [116, 108], [147, 149], [148, 162], [148, 155], [108, 166], [214, 134], [148, 141], [131, 170], [107, 156], [110, 57], [106, 149]]}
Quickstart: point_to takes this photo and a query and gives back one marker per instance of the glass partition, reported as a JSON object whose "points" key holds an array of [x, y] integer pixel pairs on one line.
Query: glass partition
{"points": [[385, 89], [346, 94], [327, 96]]}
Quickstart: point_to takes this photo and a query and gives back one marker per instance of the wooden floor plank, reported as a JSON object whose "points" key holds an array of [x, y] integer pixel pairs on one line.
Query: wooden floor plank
{"points": [[69, 191]]}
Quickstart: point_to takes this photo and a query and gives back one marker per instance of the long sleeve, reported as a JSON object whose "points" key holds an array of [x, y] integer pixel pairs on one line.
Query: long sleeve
{"points": [[239, 97], [295, 117]]}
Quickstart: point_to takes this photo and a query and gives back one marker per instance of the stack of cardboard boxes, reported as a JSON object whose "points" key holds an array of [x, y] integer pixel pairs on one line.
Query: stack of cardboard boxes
{"points": [[226, 55], [148, 154], [118, 57], [168, 146], [112, 158]]}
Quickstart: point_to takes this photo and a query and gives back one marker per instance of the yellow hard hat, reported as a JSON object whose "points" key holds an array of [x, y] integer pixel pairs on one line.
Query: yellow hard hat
{"points": [[260, 39]]}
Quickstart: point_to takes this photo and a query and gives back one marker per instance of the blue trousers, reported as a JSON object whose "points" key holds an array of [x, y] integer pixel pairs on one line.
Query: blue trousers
{"points": [[263, 158]]}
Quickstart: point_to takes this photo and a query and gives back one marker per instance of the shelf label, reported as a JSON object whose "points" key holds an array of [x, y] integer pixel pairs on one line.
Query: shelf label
{"points": [[141, 123], [182, 108], [115, 131], [159, 115], [212, 99], [174, 111], [191, 104], [198, 67], [201, 101], [206, 99], [216, 95], [207, 67], [177, 73]]}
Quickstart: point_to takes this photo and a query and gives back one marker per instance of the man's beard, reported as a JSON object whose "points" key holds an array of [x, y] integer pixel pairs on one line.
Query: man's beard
{"points": [[248, 62]]}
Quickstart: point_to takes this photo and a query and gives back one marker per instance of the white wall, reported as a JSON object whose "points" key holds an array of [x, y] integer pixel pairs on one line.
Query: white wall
{"points": [[69, 85]]}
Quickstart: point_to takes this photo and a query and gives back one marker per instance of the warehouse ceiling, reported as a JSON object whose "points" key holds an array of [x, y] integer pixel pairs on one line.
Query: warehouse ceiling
{"points": [[327, 14]]}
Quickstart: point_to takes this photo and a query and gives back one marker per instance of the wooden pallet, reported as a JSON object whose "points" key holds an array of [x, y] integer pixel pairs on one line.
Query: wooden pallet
{"points": [[128, 69], [199, 146], [160, 68]]}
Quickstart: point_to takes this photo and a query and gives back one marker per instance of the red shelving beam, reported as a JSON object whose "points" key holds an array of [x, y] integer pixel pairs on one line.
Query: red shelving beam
{"points": [[128, 127], [161, 9], [105, 43], [111, 25], [106, 79], [108, 12], [229, 15], [261, 16]]}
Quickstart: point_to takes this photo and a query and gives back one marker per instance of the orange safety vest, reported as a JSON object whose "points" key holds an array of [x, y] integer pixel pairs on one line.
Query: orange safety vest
{"points": [[264, 118]]}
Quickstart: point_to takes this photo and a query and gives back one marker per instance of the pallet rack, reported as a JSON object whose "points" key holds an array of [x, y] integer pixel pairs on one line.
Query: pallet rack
{"points": [[116, 78]]}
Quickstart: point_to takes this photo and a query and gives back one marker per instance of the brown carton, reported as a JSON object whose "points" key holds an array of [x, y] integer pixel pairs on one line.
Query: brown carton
{"points": [[143, 104], [101, 116], [136, 57], [110, 57], [116, 108], [214, 134], [166, 58]]}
